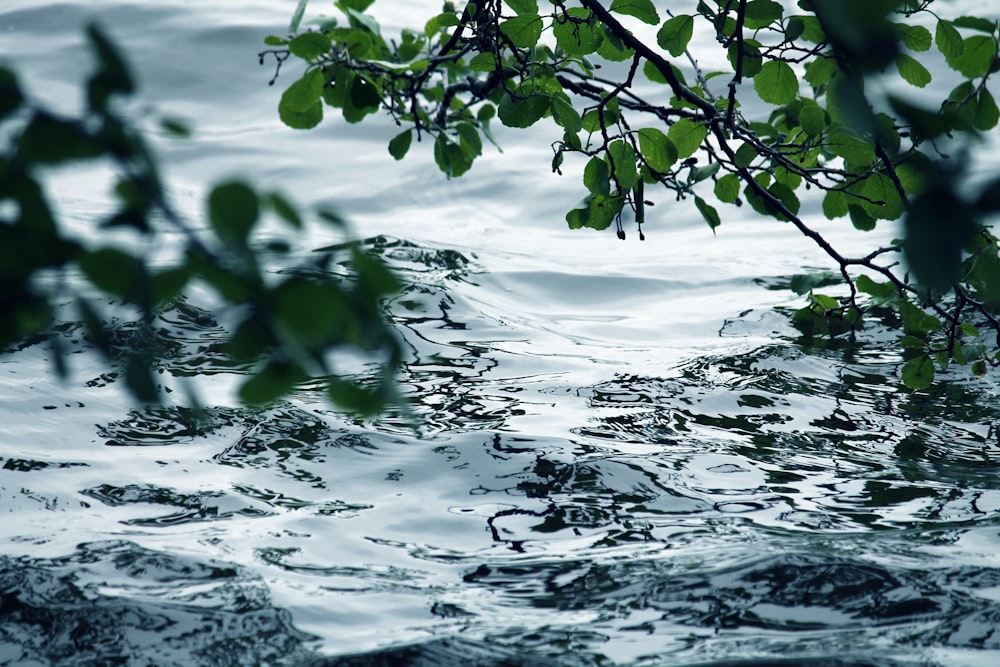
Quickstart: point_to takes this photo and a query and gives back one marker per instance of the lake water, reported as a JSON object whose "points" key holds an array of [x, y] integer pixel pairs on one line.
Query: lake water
{"points": [[617, 453]]}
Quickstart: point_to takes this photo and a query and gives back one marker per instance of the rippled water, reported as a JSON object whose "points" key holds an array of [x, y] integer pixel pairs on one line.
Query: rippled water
{"points": [[616, 453]]}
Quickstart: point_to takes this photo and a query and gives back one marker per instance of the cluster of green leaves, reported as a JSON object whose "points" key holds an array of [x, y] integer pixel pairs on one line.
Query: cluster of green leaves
{"points": [[812, 99], [287, 322]]}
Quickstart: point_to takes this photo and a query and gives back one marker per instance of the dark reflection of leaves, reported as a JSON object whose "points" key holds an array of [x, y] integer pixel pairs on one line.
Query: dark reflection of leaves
{"points": [[192, 507], [765, 600], [450, 342], [448, 651], [116, 603], [166, 425]]}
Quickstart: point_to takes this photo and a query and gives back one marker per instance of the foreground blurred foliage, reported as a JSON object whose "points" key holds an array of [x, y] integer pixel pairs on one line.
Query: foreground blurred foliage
{"points": [[285, 323], [812, 104]]}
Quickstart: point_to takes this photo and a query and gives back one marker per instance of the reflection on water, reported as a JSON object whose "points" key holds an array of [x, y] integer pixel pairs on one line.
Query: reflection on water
{"points": [[775, 500]]}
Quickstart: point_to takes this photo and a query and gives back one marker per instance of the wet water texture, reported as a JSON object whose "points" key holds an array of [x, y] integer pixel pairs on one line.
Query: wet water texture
{"points": [[612, 454]]}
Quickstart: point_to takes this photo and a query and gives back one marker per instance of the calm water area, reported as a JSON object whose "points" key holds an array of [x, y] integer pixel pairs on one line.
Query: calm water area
{"points": [[617, 453]]}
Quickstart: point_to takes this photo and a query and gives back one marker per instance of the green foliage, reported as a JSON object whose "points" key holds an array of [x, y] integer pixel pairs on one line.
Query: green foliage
{"points": [[288, 321], [865, 153]]}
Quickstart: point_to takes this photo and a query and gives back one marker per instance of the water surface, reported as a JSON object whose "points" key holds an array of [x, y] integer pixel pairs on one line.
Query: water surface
{"points": [[616, 453]]}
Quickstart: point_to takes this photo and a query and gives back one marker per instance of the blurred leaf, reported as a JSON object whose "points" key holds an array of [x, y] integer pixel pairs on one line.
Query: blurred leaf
{"points": [[285, 209], [233, 210], [139, 378], [114, 271], [274, 381], [112, 76], [300, 9], [11, 97], [51, 140]]}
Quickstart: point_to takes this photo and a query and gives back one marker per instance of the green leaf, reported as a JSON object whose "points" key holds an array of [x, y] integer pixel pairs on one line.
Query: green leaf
{"points": [[687, 136], [987, 114], [523, 31], [727, 188], [274, 40], [438, 23], [576, 39], [400, 144], [612, 47], [752, 59], [812, 119], [483, 62], [885, 203], [622, 157], [675, 33], [641, 9], [565, 115], [856, 151], [708, 212], [524, 108], [834, 204], [363, 99], [658, 151], [913, 37], [233, 210], [597, 176], [820, 71], [949, 40], [881, 291], [976, 23], [523, 6], [860, 218], [595, 212], [918, 373], [762, 13], [310, 45], [776, 83], [745, 155], [450, 158], [300, 107], [976, 59], [912, 71]]}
